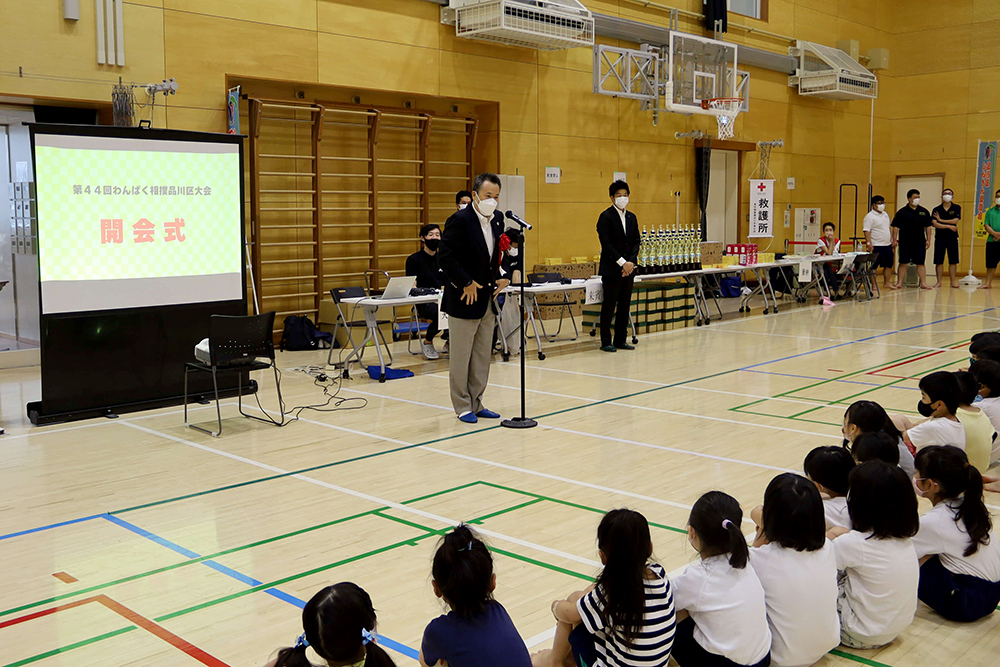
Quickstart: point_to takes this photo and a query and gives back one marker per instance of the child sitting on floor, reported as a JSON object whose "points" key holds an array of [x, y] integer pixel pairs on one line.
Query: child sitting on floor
{"points": [[869, 417], [878, 584], [339, 626], [979, 432], [958, 550], [828, 468], [939, 399], [725, 624], [791, 554], [477, 632], [627, 615]]}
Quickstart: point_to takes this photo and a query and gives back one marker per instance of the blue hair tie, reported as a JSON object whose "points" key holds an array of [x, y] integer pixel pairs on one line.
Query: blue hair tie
{"points": [[366, 637], [467, 547], [301, 642]]}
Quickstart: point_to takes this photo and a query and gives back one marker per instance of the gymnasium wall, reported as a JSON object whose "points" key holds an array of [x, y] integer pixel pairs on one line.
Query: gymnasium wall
{"points": [[944, 96], [548, 115]]}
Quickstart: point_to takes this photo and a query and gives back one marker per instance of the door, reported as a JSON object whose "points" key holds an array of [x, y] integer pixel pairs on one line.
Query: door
{"points": [[930, 196], [721, 214], [8, 316]]}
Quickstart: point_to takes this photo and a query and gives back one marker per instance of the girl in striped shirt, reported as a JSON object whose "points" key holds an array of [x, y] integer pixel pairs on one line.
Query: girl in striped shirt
{"points": [[626, 617]]}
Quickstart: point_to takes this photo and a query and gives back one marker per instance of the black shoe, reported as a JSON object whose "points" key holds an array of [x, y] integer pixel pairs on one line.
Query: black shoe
{"points": [[624, 346], [609, 348]]}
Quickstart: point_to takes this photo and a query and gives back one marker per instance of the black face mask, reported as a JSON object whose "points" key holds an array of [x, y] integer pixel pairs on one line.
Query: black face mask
{"points": [[432, 244], [924, 409]]}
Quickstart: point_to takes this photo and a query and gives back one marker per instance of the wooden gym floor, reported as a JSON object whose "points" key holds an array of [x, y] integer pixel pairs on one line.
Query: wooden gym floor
{"points": [[137, 541]]}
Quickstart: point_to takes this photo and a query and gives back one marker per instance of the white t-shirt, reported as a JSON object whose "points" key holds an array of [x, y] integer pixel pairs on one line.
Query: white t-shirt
{"points": [[979, 434], [878, 224], [991, 406], [946, 538], [938, 431], [800, 590], [881, 586], [728, 609], [905, 458], [836, 513]]}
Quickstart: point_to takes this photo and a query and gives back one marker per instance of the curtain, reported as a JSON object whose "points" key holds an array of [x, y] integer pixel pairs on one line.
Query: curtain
{"points": [[703, 174]]}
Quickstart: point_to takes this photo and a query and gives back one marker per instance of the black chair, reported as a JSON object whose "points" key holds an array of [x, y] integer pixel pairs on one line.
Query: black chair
{"points": [[237, 344]]}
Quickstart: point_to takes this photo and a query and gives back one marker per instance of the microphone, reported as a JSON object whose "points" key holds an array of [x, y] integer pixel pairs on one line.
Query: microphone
{"points": [[513, 216]]}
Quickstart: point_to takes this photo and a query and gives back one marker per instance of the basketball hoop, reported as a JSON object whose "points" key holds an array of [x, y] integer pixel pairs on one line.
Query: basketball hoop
{"points": [[726, 110]]}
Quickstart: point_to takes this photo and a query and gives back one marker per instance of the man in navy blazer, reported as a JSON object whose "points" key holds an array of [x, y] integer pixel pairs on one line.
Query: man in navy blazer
{"points": [[469, 256], [618, 231]]}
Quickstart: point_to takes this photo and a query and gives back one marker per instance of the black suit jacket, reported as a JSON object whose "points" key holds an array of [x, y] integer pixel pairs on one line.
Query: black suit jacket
{"points": [[615, 242], [463, 257]]}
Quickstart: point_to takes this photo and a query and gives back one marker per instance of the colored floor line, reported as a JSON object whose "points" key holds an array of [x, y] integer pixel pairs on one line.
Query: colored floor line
{"points": [[868, 338], [257, 585], [136, 619], [446, 438], [810, 377], [49, 527]]}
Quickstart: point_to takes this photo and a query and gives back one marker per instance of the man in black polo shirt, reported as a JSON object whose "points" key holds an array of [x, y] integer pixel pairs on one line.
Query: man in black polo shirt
{"points": [[945, 220], [911, 231], [424, 265]]}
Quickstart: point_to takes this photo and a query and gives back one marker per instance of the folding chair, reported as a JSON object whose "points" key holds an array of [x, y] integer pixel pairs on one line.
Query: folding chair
{"points": [[338, 294], [236, 343], [566, 305]]}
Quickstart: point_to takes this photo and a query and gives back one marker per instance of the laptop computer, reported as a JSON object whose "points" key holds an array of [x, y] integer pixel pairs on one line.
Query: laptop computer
{"points": [[398, 288]]}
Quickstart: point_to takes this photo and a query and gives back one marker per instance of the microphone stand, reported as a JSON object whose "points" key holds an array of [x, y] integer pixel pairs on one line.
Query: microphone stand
{"points": [[523, 421]]}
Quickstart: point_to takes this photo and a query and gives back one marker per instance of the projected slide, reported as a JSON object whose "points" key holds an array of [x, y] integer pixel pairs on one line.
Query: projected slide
{"points": [[127, 223]]}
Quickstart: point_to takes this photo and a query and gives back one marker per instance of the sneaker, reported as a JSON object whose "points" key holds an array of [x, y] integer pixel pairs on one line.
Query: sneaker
{"points": [[428, 351]]}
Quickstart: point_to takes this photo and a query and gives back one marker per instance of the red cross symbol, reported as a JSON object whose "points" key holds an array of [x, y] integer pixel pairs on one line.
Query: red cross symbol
{"points": [[761, 187]]}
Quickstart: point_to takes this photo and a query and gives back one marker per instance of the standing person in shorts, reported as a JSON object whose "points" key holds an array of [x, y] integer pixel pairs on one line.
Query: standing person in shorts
{"points": [[911, 230], [878, 238], [945, 219], [992, 224]]}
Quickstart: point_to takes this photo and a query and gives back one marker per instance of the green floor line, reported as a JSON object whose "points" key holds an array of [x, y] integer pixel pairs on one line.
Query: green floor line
{"points": [[226, 552], [498, 513], [577, 505], [70, 647], [857, 658]]}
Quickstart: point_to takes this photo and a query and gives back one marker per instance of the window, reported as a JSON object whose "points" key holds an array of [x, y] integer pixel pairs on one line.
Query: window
{"points": [[755, 9]]}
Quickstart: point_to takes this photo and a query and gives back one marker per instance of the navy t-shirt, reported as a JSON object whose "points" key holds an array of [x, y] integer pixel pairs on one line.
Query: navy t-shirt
{"points": [[911, 224], [489, 640], [946, 214]]}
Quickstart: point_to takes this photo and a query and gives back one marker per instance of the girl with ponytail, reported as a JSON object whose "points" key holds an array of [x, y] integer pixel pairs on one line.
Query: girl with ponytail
{"points": [[722, 598], [958, 551], [477, 632], [626, 616], [339, 627]]}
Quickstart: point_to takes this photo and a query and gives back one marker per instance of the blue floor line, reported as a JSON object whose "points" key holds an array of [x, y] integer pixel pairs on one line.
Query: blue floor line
{"points": [[51, 525], [239, 576], [810, 377], [868, 338]]}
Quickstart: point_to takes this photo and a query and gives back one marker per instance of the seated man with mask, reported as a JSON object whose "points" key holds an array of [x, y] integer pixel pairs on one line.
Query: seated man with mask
{"points": [[424, 265]]}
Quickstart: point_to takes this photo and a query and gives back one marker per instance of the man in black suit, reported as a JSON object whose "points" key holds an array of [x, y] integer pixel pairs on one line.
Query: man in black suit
{"points": [[469, 256], [618, 230]]}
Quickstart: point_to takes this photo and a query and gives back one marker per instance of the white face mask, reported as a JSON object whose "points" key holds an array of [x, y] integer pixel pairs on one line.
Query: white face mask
{"points": [[916, 201], [512, 252], [621, 202], [487, 206], [998, 201], [946, 198], [461, 207], [880, 208]]}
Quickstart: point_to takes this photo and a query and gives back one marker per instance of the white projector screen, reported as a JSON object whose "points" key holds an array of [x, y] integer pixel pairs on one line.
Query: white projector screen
{"points": [[131, 223]]}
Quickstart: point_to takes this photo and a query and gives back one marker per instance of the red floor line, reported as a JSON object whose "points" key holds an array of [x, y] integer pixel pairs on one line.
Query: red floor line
{"points": [[46, 612], [903, 363], [132, 617], [161, 632], [65, 578]]}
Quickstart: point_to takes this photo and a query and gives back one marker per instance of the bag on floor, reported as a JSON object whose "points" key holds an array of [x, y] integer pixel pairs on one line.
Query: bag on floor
{"points": [[730, 286], [301, 334]]}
